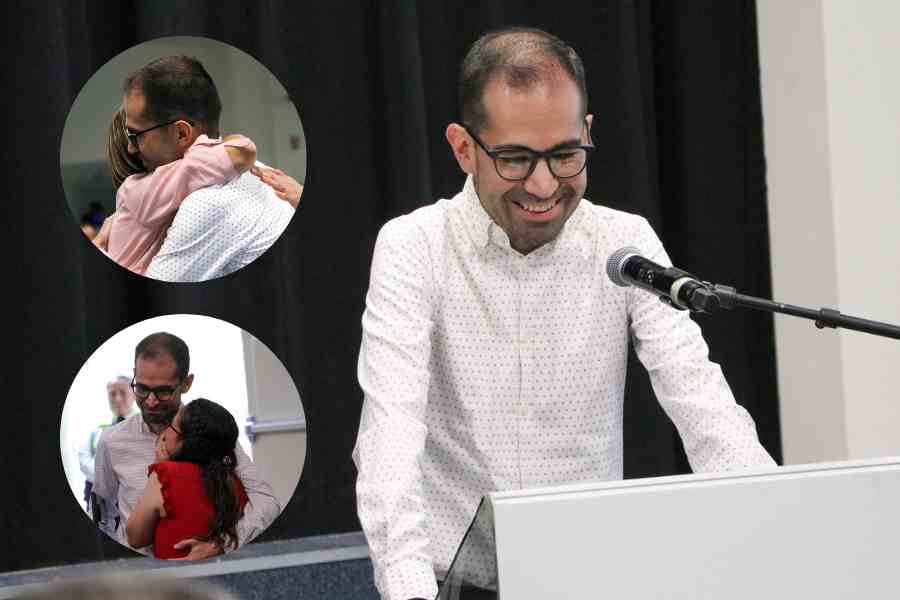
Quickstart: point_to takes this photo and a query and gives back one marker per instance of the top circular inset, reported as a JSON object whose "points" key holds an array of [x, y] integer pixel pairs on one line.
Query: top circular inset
{"points": [[183, 159]]}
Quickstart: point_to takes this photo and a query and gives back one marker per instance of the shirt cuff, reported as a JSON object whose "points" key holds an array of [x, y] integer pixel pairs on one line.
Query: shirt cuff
{"points": [[408, 579]]}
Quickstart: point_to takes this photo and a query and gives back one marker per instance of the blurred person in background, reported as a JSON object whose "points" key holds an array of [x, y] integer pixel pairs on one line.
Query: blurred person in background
{"points": [[121, 405], [125, 585]]}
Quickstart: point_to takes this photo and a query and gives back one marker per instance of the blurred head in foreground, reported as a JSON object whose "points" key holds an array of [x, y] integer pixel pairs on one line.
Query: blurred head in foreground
{"points": [[129, 586]]}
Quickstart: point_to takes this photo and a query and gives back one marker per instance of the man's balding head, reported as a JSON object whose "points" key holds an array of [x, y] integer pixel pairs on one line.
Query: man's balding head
{"points": [[522, 58], [177, 87]]}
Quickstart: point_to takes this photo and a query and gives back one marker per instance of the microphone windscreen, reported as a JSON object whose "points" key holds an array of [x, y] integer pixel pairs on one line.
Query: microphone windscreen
{"points": [[615, 263]]}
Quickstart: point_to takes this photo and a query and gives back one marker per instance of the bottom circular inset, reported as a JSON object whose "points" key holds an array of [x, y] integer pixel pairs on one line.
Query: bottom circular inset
{"points": [[183, 436]]}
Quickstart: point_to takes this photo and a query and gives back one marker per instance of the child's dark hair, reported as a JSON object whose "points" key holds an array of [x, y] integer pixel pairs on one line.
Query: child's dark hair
{"points": [[209, 434]]}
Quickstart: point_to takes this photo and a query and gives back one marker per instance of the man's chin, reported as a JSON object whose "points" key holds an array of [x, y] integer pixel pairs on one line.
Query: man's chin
{"points": [[157, 419]]}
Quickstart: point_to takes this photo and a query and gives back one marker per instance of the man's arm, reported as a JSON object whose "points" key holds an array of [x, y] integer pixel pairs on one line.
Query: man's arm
{"points": [[718, 434], [263, 506], [393, 373], [141, 526]]}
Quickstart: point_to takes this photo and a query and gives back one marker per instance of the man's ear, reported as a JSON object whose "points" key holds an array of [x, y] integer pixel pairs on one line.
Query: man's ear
{"points": [[186, 384], [462, 146], [589, 118], [185, 134]]}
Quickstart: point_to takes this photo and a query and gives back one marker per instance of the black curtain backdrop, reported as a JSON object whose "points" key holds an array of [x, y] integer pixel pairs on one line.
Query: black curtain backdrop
{"points": [[674, 88]]}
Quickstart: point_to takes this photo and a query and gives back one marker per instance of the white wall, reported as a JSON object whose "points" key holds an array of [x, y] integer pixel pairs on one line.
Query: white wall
{"points": [[272, 396], [831, 92]]}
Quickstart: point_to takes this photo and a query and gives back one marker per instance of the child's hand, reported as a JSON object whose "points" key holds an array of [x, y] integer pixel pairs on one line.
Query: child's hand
{"points": [[286, 187], [101, 240], [162, 452], [241, 150]]}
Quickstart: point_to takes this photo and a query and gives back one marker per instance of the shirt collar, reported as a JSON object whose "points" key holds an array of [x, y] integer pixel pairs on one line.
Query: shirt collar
{"points": [[484, 231], [142, 427], [478, 222]]}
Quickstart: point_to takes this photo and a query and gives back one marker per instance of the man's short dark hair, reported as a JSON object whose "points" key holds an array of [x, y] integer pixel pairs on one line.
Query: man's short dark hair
{"points": [[524, 57], [159, 344], [178, 87]]}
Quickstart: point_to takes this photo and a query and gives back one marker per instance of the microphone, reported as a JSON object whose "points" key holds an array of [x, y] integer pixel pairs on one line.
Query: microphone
{"points": [[675, 287]]}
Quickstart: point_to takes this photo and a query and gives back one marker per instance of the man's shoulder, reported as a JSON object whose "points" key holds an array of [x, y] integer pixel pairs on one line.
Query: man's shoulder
{"points": [[423, 225], [244, 186], [616, 226], [125, 431], [605, 214], [421, 219]]}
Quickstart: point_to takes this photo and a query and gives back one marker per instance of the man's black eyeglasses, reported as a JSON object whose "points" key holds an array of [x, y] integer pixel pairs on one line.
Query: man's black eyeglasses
{"points": [[163, 393], [134, 135], [517, 163]]}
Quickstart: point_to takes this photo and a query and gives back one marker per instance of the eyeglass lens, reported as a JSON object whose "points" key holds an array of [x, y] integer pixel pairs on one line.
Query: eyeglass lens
{"points": [[518, 164], [163, 392]]}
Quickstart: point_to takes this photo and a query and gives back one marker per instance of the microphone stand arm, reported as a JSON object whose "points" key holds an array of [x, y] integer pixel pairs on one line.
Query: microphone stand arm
{"points": [[712, 297]]}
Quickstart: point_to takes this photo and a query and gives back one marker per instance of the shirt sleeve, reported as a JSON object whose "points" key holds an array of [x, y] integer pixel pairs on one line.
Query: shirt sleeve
{"points": [[393, 373], [718, 434], [263, 506], [154, 197]]}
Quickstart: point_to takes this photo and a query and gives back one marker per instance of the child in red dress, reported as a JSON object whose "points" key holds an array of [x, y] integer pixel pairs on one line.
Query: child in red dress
{"points": [[192, 490]]}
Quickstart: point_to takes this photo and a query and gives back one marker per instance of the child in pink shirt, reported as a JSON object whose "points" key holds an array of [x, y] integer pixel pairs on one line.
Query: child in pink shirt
{"points": [[146, 203]]}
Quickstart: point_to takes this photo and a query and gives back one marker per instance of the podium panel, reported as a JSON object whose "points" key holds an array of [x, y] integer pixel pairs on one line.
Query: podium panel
{"points": [[825, 531]]}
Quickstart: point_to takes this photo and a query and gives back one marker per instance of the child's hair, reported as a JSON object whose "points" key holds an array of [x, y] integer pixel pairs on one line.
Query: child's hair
{"points": [[209, 434], [121, 163]]}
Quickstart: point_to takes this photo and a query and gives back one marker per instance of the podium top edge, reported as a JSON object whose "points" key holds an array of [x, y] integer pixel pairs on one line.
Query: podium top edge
{"points": [[754, 473]]}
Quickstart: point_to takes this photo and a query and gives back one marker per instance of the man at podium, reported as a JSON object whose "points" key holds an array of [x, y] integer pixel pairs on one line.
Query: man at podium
{"points": [[494, 345]]}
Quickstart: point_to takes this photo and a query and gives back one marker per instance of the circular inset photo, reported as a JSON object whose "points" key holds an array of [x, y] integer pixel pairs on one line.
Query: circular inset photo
{"points": [[183, 159], [183, 436]]}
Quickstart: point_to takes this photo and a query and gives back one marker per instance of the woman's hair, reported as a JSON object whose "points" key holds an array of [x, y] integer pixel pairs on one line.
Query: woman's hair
{"points": [[209, 434], [121, 163]]}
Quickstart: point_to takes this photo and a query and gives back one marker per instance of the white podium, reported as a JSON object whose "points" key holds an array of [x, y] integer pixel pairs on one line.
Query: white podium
{"points": [[824, 531]]}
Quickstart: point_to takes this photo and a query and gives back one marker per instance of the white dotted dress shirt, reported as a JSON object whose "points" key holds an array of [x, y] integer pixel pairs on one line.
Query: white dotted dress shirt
{"points": [[120, 475], [485, 370], [219, 229]]}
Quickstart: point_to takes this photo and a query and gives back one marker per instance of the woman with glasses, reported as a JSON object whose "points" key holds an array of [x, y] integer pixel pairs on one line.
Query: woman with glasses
{"points": [[192, 490]]}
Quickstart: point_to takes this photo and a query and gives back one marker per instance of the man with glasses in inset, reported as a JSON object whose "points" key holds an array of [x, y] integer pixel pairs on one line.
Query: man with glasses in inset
{"points": [[167, 105], [494, 345], [124, 451]]}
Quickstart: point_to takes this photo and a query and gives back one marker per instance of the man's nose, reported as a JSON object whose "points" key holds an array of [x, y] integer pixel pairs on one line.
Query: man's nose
{"points": [[151, 400], [541, 183]]}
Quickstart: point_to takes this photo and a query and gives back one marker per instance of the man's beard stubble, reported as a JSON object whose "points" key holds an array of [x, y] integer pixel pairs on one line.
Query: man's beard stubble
{"points": [[159, 417], [528, 237]]}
